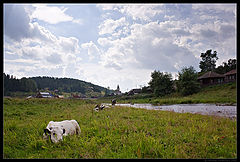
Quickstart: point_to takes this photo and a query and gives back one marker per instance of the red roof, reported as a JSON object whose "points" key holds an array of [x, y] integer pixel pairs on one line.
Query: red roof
{"points": [[234, 71], [211, 74]]}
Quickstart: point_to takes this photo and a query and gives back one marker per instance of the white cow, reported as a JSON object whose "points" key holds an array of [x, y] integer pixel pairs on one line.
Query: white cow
{"points": [[56, 130]]}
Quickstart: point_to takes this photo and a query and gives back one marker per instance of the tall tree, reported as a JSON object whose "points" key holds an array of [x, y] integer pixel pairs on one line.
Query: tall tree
{"points": [[187, 81], [161, 83], [208, 62]]}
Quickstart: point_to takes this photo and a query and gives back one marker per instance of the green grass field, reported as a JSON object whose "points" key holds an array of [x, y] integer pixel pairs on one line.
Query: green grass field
{"points": [[118, 132]]}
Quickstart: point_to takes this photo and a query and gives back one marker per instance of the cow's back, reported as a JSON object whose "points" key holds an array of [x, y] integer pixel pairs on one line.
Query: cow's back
{"points": [[71, 126]]}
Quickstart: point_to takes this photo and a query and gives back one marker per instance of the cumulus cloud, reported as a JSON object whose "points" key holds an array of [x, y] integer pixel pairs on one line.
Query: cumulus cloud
{"points": [[149, 46], [17, 25], [168, 44], [33, 42], [15, 14], [110, 77], [92, 49], [135, 11], [110, 25], [216, 8], [68, 44], [142, 12], [54, 58], [52, 14]]}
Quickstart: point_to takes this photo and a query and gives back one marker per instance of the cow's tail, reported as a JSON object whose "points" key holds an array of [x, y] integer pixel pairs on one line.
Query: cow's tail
{"points": [[78, 130]]}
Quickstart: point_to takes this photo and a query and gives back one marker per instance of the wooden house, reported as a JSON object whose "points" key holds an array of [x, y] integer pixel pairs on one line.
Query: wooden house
{"points": [[134, 91], [210, 78], [43, 95], [231, 76]]}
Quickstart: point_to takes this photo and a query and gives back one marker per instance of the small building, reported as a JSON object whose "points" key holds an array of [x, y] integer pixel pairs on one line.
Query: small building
{"points": [[134, 91], [117, 91], [231, 76], [44, 95], [211, 78], [75, 96], [60, 96]]}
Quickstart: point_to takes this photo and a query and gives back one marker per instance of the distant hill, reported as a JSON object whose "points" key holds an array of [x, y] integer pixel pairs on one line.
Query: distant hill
{"points": [[69, 85], [59, 85]]}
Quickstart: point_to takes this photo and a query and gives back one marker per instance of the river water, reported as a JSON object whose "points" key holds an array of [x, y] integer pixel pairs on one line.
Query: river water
{"points": [[204, 109]]}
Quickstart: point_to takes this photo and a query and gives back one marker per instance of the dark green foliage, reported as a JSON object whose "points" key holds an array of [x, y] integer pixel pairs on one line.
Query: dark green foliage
{"points": [[67, 85], [161, 83], [12, 84], [187, 81], [208, 62], [226, 67], [27, 85]]}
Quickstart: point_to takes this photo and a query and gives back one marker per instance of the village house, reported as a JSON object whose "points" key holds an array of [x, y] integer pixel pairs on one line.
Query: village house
{"points": [[134, 91], [60, 96], [44, 95], [211, 78], [231, 76]]}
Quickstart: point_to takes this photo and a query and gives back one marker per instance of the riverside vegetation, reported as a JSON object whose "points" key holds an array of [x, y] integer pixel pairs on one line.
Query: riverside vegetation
{"points": [[117, 132], [221, 93]]}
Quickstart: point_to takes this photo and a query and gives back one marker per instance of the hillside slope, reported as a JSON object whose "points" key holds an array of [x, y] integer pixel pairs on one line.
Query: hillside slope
{"points": [[68, 85], [29, 86]]}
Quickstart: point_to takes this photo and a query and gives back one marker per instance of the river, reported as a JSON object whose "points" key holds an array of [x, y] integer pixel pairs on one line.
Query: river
{"points": [[204, 109]]}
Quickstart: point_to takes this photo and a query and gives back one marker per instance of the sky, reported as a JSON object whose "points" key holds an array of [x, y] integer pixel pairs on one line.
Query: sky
{"points": [[114, 44]]}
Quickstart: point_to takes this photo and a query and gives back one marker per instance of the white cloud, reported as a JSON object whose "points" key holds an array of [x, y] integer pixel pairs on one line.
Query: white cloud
{"points": [[92, 49], [54, 58], [109, 77], [38, 47], [149, 46], [78, 21], [52, 15], [216, 7], [68, 44], [109, 26], [142, 12], [16, 22]]}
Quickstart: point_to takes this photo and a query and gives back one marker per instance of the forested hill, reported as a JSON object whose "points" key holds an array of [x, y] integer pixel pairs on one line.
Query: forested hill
{"points": [[68, 85]]}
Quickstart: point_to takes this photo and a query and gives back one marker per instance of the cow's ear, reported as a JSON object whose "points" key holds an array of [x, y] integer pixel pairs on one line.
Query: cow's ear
{"points": [[63, 131]]}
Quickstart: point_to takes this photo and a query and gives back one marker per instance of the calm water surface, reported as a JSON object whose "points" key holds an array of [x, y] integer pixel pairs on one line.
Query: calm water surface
{"points": [[204, 109]]}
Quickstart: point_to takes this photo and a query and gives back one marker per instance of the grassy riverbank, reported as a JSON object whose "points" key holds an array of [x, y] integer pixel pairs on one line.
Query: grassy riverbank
{"points": [[118, 132], [226, 93]]}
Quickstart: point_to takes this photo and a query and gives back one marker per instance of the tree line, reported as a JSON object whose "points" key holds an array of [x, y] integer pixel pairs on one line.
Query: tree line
{"points": [[11, 84], [162, 83], [34, 84]]}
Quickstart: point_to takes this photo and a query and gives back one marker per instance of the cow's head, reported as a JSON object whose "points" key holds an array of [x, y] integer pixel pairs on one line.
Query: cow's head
{"points": [[55, 133]]}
